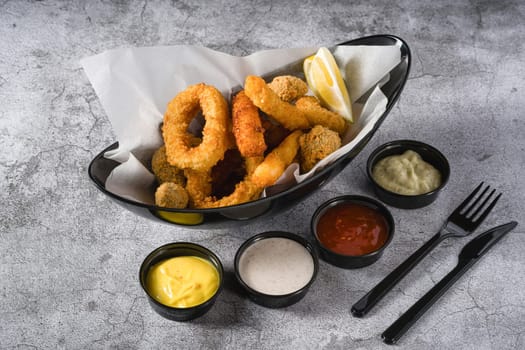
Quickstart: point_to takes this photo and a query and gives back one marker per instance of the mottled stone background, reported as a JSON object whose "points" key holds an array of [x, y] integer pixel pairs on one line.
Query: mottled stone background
{"points": [[70, 257]]}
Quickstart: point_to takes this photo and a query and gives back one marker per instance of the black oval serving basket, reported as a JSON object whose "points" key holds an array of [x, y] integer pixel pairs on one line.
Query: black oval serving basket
{"points": [[100, 167]]}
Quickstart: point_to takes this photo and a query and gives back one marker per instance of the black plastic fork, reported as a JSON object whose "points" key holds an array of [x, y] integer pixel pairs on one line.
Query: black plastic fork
{"points": [[462, 222]]}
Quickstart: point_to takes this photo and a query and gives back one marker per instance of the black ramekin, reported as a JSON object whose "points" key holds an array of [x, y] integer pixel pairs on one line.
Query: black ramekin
{"points": [[429, 154], [351, 261], [172, 250], [276, 301]]}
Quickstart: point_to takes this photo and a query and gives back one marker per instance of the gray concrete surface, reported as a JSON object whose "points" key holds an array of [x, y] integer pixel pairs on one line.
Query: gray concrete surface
{"points": [[70, 257]]}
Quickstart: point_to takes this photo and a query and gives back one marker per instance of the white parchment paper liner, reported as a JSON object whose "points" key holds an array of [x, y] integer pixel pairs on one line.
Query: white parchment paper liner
{"points": [[134, 86]]}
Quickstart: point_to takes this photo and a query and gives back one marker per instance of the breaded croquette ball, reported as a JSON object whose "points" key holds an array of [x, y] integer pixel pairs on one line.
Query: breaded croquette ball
{"points": [[316, 145], [288, 87], [171, 195], [165, 172]]}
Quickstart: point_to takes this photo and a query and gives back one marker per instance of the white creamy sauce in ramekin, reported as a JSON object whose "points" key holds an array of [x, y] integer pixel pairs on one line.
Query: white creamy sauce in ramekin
{"points": [[276, 266]]}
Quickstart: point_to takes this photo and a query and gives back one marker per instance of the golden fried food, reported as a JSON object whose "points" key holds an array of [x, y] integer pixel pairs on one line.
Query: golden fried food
{"points": [[164, 171], [288, 87], [251, 163], [227, 173], [245, 191], [247, 127], [215, 134], [318, 115], [316, 145], [274, 133], [264, 174], [274, 164], [238, 155], [263, 97], [171, 195], [198, 185]]}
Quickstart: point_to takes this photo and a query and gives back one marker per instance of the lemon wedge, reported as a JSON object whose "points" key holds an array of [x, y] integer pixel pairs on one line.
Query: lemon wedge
{"points": [[326, 82]]}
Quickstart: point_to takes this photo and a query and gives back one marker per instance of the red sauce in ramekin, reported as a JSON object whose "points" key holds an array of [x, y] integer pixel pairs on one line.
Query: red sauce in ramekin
{"points": [[352, 229]]}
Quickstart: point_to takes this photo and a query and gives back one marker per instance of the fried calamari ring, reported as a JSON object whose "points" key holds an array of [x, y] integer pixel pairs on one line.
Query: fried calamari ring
{"points": [[263, 97], [288, 87], [276, 162], [164, 171], [245, 191], [318, 115], [171, 195], [247, 127], [227, 173], [215, 135]]}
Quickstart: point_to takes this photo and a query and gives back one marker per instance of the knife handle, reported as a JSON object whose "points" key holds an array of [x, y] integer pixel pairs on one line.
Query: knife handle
{"points": [[393, 333], [363, 305]]}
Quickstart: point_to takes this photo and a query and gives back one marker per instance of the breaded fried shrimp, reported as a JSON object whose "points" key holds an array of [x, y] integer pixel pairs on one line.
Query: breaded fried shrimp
{"points": [[274, 164], [263, 97], [318, 115], [247, 127]]}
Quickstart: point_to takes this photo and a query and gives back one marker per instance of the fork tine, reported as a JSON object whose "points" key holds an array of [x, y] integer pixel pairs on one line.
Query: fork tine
{"points": [[487, 211], [482, 205], [468, 199], [475, 202]]}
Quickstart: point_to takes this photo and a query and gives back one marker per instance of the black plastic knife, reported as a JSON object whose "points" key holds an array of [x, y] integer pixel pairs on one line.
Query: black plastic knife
{"points": [[471, 253]]}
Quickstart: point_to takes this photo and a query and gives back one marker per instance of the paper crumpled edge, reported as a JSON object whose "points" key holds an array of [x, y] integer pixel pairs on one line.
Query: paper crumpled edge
{"points": [[134, 86]]}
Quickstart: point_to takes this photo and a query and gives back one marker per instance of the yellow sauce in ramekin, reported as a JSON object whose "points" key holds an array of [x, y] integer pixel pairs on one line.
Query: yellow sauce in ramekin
{"points": [[183, 281]]}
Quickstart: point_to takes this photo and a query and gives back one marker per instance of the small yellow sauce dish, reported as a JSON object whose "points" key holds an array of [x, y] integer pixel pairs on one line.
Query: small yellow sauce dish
{"points": [[182, 280]]}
